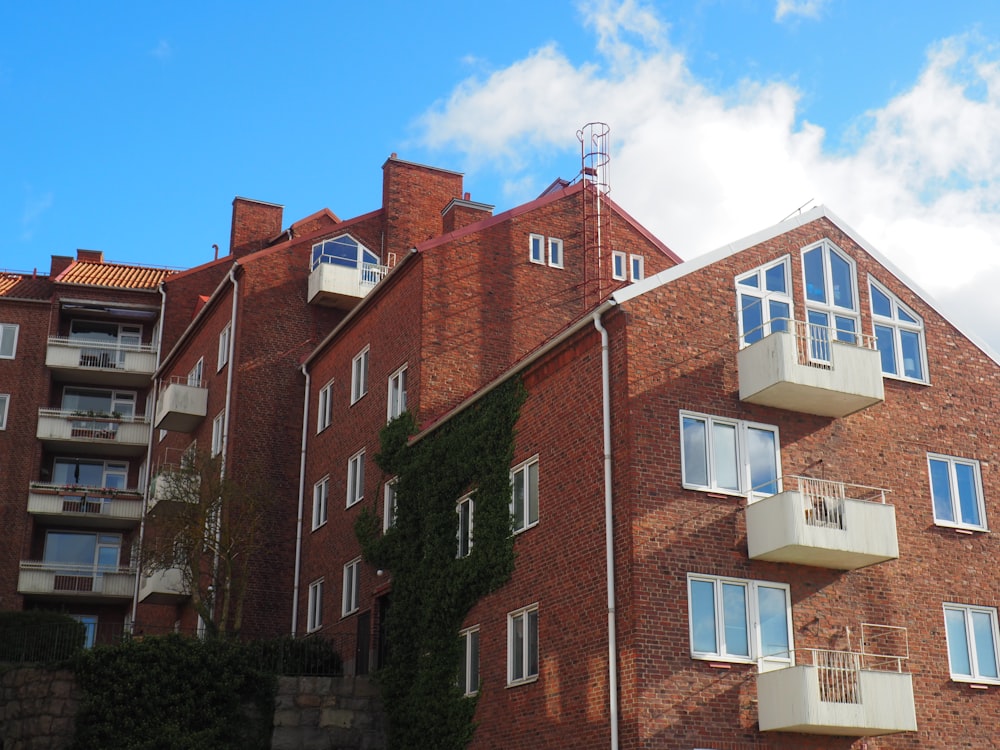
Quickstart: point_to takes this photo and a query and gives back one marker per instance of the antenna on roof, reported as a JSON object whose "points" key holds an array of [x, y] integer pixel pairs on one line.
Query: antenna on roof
{"points": [[798, 210], [595, 146]]}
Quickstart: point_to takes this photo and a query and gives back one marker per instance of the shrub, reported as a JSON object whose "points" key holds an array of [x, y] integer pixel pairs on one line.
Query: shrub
{"points": [[39, 636]]}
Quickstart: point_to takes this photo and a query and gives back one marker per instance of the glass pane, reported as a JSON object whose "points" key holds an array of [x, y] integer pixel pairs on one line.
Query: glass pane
{"points": [[846, 328], [517, 500], [750, 280], [533, 643], [941, 491], [517, 648], [63, 547], [80, 400], [695, 457], [843, 283], [532, 493], [982, 636], [774, 278], [819, 336], [903, 315], [881, 304], [751, 318], [6, 341], [884, 342], [763, 451], [958, 646], [724, 449], [703, 617], [780, 313], [815, 275], [734, 616], [107, 557], [773, 621], [968, 500], [463, 677], [473, 682], [910, 344]]}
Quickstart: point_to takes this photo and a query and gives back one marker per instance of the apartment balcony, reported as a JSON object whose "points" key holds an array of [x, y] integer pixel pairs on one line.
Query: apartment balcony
{"points": [[85, 506], [181, 406], [837, 693], [805, 368], [100, 363], [76, 583], [163, 587], [92, 434], [823, 523], [335, 283]]}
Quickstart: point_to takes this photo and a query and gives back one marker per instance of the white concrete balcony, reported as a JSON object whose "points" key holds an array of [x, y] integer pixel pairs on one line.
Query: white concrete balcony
{"points": [[805, 368], [77, 583], [92, 433], [181, 406], [163, 587], [100, 363], [85, 506], [333, 284], [837, 693], [823, 523]]}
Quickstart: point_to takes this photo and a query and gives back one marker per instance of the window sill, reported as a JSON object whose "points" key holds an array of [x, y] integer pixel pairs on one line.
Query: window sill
{"points": [[525, 681], [976, 683], [319, 526], [345, 615], [960, 529]]}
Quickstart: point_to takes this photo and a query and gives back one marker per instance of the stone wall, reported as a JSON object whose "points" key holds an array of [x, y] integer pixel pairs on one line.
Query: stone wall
{"points": [[327, 713], [37, 709]]}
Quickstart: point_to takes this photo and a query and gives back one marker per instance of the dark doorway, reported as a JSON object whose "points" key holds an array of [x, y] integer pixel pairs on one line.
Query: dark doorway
{"points": [[364, 642], [381, 637]]}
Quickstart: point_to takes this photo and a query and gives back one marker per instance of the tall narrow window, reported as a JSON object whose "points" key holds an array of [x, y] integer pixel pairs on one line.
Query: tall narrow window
{"points": [[466, 510], [763, 296], [536, 248], [637, 267], [899, 335], [972, 642], [356, 478], [351, 601], [522, 645], [468, 668], [4, 403], [397, 394], [729, 455], [618, 265], [524, 495], [359, 375], [389, 505], [555, 252], [957, 491], [314, 616], [8, 340], [324, 407], [321, 497], [224, 336], [217, 433], [831, 298], [197, 373]]}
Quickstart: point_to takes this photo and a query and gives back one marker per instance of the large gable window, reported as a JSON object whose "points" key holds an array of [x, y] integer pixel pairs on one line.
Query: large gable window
{"points": [[831, 291], [342, 251], [765, 302], [899, 335]]}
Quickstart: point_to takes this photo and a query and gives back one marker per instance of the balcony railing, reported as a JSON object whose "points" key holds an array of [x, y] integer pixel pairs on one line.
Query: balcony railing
{"points": [[99, 362], [823, 523], [812, 369], [182, 405], [93, 433], [77, 582], [165, 586], [342, 286], [85, 506]]}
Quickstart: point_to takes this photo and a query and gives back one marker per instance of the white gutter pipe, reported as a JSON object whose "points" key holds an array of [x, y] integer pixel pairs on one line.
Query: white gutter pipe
{"points": [[302, 490]]}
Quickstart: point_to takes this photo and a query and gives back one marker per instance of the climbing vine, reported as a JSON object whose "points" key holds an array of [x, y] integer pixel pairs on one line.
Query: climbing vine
{"points": [[433, 590]]}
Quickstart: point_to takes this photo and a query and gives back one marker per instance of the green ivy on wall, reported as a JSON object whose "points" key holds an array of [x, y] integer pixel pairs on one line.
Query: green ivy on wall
{"points": [[433, 590]]}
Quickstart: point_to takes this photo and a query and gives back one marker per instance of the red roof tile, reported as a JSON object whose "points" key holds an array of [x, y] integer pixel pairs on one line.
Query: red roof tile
{"points": [[113, 274], [23, 286]]}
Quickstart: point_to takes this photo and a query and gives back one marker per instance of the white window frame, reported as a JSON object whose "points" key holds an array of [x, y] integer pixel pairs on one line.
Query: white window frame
{"points": [[196, 376], [636, 267], [555, 249], [530, 510], [224, 336], [4, 407], [619, 263], [468, 676], [820, 342], [324, 407], [9, 331], [356, 478], [897, 325], [217, 433], [396, 395], [952, 462], [359, 375], [752, 622], [321, 502], [764, 298], [351, 600], [536, 248], [519, 669], [971, 649], [389, 504], [465, 536], [314, 610], [743, 466]]}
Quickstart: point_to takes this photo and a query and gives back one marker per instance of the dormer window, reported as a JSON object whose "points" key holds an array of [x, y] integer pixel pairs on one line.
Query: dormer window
{"points": [[343, 251]]}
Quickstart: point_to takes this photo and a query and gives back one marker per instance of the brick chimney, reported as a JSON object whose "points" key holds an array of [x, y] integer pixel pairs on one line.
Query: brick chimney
{"points": [[461, 213], [413, 197], [90, 256], [59, 264], [254, 223]]}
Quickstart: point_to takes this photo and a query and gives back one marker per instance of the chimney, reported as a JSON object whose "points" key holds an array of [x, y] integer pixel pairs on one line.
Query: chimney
{"points": [[461, 213], [59, 264], [254, 223], [413, 197], [90, 256]]}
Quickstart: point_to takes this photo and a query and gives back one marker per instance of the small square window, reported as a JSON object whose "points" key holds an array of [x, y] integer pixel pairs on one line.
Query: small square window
{"points": [[522, 645], [217, 433], [314, 616], [224, 337], [389, 505], [637, 267], [356, 478], [524, 495], [359, 375], [4, 404], [397, 394], [321, 496], [468, 669], [555, 252], [536, 248], [971, 633], [957, 492], [8, 340], [324, 407], [352, 595], [466, 509], [618, 265]]}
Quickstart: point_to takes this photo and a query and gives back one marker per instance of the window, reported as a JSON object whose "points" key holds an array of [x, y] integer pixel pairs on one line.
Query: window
{"points": [[737, 620], [536, 248], [356, 478], [764, 299], [99, 402], [90, 473], [8, 340], [389, 505], [957, 491], [81, 552], [729, 455], [359, 375], [321, 495], [831, 298], [899, 335], [618, 265], [90, 629], [555, 252], [524, 495], [522, 645], [342, 251], [397, 394], [4, 403], [465, 508], [637, 267], [314, 615], [352, 596], [468, 668], [972, 642], [217, 433], [324, 407], [223, 357], [194, 377]]}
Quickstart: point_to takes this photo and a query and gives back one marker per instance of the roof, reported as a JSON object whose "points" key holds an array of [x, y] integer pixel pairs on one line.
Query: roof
{"points": [[113, 275], [23, 286]]}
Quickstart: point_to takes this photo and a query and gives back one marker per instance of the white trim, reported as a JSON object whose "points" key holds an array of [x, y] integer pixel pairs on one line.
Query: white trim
{"points": [[4, 329], [396, 388], [538, 258], [526, 518], [898, 326], [526, 676], [350, 601], [314, 608], [324, 407], [222, 358], [634, 262], [556, 259], [468, 537], [743, 467], [389, 503], [359, 374], [952, 461], [468, 657], [4, 408], [970, 643], [321, 502], [356, 478], [619, 257]]}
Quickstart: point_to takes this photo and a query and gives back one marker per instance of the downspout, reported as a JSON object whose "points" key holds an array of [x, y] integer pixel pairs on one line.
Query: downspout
{"points": [[302, 489], [609, 548]]}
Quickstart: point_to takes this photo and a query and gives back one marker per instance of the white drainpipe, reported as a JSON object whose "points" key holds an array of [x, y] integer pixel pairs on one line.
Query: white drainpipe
{"points": [[302, 490]]}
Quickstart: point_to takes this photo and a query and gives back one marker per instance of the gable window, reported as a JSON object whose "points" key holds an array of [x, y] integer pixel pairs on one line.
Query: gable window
{"points": [[217, 432], [321, 497], [536, 248], [637, 267], [971, 633], [342, 251], [352, 594], [314, 616], [356, 478], [194, 377], [729, 455], [466, 509], [522, 645], [359, 375], [524, 495], [957, 491], [8, 340], [555, 252], [468, 668], [618, 265], [899, 335], [763, 296], [831, 298], [224, 337], [4, 404], [397, 394], [324, 407], [732, 619], [389, 505]]}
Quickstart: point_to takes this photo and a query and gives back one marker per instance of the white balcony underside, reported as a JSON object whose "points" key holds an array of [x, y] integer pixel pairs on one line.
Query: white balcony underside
{"points": [[789, 701], [333, 285], [78, 361], [163, 587], [778, 530], [770, 374], [181, 407]]}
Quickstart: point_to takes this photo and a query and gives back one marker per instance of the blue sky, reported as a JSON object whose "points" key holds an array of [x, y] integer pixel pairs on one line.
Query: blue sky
{"points": [[129, 127]]}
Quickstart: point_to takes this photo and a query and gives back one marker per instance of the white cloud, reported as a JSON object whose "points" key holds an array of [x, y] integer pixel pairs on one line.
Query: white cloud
{"points": [[162, 50], [799, 8], [702, 168], [34, 207]]}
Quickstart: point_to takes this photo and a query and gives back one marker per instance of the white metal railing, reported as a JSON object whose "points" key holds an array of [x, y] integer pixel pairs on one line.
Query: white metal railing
{"points": [[372, 273], [823, 499], [813, 342], [182, 380], [111, 355], [57, 499]]}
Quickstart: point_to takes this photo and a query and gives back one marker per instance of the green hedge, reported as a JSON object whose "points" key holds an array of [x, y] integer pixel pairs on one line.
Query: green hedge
{"points": [[39, 636]]}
